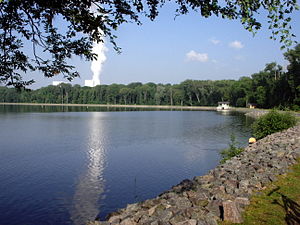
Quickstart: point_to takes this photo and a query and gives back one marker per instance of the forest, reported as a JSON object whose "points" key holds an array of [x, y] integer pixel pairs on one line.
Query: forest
{"points": [[269, 88]]}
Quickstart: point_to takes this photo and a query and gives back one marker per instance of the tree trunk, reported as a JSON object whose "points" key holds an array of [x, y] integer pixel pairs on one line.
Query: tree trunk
{"points": [[198, 99]]}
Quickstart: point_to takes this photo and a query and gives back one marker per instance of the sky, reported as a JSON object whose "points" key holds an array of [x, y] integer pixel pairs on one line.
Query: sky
{"points": [[170, 50]]}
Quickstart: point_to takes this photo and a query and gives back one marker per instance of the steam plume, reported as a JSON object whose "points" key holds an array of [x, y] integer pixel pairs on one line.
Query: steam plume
{"points": [[96, 65]]}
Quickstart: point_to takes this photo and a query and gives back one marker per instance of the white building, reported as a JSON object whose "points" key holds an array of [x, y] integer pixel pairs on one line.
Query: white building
{"points": [[223, 106], [89, 83], [56, 83]]}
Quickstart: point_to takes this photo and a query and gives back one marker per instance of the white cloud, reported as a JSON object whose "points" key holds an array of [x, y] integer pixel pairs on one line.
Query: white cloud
{"points": [[236, 45], [215, 41], [195, 56]]}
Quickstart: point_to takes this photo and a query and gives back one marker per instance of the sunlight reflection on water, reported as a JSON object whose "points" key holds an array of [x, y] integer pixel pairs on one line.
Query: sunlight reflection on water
{"points": [[91, 182]]}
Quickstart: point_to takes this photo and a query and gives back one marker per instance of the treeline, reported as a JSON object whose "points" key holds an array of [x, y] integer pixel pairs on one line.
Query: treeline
{"points": [[271, 87]]}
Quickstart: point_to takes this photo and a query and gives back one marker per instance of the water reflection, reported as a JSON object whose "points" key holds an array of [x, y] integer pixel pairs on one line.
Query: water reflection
{"points": [[85, 205]]}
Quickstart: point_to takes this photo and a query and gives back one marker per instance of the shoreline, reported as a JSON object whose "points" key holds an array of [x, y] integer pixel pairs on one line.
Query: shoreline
{"points": [[200, 108], [220, 195], [206, 108]]}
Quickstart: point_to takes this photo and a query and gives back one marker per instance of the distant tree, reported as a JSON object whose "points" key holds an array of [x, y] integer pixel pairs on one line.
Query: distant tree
{"points": [[187, 86], [160, 95], [124, 94], [81, 23], [178, 95]]}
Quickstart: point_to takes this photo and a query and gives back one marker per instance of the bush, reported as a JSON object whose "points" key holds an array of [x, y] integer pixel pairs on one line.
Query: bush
{"points": [[295, 107], [272, 122], [232, 151]]}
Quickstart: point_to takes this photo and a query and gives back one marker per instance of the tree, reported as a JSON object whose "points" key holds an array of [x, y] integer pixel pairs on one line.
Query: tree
{"points": [[293, 74], [124, 93], [178, 95], [33, 22]]}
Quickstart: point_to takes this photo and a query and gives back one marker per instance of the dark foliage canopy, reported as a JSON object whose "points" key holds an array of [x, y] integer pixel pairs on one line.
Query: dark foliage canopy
{"points": [[88, 21]]}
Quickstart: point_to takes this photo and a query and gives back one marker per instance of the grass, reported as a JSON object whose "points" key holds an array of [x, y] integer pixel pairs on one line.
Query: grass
{"points": [[278, 204]]}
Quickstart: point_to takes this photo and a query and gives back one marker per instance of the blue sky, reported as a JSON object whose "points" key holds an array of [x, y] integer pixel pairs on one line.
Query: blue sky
{"points": [[189, 47]]}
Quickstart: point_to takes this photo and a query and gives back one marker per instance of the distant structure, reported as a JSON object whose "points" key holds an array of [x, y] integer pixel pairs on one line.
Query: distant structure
{"points": [[223, 106], [56, 83], [90, 83], [251, 105]]}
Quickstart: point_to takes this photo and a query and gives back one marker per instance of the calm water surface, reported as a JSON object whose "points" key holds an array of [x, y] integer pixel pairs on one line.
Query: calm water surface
{"points": [[70, 167]]}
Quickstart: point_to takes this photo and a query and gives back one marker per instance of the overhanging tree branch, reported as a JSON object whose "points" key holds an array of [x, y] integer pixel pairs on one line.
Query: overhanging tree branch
{"points": [[89, 21]]}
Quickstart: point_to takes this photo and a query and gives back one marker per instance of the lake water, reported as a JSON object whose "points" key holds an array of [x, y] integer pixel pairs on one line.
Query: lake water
{"points": [[61, 167]]}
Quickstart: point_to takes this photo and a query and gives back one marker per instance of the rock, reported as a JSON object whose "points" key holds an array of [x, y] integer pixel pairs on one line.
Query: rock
{"points": [[243, 184], [151, 211], [165, 215], [163, 223], [198, 199], [181, 202], [272, 177], [188, 222], [169, 195], [255, 183], [133, 207], [184, 185], [195, 213], [138, 215], [222, 188], [155, 210], [211, 219], [115, 219], [205, 179], [230, 186], [207, 186], [98, 223], [202, 222], [177, 219], [147, 220], [242, 201], [154, 223], [200, 202], [214, 207], [231, 212], [128, 221], [192, 194]]}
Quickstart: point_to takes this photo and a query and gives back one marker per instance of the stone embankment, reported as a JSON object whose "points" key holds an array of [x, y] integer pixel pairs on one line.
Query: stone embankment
{"points": [[223, 193], [256, 113]]}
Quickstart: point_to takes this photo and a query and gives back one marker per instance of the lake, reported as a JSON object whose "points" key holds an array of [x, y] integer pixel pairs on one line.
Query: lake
{"points": [[70, 165]]}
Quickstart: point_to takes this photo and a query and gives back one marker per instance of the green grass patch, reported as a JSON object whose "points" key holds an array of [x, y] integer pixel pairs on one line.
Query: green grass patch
{"points": [[278, 204]]}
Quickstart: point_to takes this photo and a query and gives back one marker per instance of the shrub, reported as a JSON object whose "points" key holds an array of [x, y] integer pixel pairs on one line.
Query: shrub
{"points": [[272, 122], [231, 151], [295, 107]]}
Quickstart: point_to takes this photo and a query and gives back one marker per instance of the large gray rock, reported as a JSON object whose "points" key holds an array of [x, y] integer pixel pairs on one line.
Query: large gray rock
{"points": [[231, 212]]}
